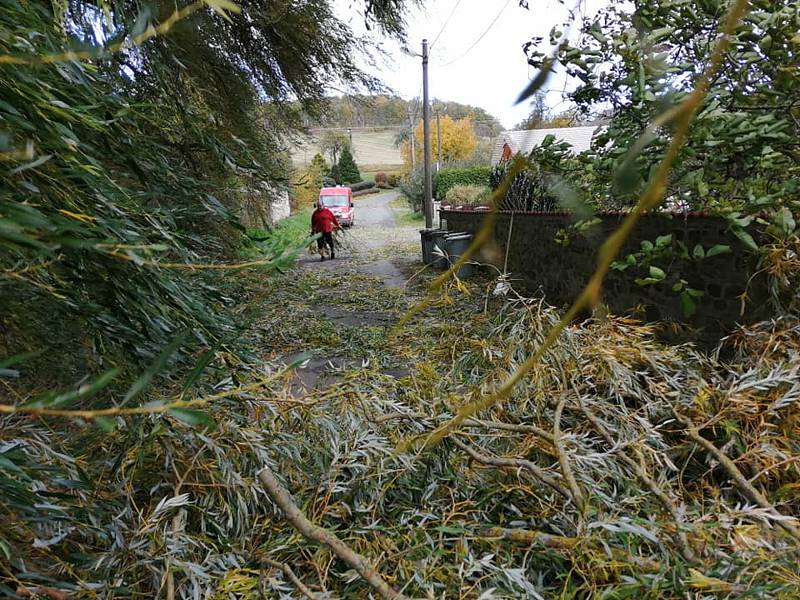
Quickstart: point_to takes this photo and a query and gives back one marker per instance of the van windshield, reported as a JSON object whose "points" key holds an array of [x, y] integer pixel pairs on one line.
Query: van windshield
{"points": [[333, 200]]}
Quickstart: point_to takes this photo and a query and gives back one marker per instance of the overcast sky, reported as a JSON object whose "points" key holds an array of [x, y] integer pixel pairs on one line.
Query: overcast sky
{"points": [[490, 75]]}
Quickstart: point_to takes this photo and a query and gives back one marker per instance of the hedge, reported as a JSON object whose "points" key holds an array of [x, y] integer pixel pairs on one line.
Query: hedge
{"points": [[366, 192], [449, 178], [362, 185]]}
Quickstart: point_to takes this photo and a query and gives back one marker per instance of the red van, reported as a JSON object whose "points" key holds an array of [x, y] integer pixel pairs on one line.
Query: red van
{"points": [[340, 200]]}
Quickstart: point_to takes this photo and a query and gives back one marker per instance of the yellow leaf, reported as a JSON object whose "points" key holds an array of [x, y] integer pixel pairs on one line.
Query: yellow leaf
{"points": [[77, 216], [702, 582]]}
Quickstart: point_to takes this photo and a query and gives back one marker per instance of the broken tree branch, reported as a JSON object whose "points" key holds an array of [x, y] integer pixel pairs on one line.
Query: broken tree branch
{"points": [[295, 516], [287, 570], [518, 427]]}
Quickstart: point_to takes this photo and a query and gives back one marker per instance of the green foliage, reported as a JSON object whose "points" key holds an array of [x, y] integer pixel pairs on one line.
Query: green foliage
{"points": [[348, 168], [672, 255], [333, 142], [448, 178], [741, 154], [309, 181], [102, 195]]}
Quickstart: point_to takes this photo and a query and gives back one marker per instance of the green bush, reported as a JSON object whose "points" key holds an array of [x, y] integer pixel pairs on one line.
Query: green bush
{"points": [[394, 179], [449, 178], [468, 194]]}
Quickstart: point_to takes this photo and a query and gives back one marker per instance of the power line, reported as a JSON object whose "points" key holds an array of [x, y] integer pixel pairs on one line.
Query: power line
{"points": [[446, 21], [476, 42]]}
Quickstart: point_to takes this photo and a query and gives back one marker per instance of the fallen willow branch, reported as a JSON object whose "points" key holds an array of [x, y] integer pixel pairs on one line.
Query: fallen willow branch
{"points": [[520, 428], [750, 492], [529, 537], [44, 591], [287, 570], [515, 463], [566, 470], [679, 538], [501, 425], [400, 416], [294, 515]]}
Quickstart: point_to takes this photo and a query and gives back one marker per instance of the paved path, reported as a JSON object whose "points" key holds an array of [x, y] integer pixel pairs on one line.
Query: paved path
{"points": [[379, 247], [376, 245]]}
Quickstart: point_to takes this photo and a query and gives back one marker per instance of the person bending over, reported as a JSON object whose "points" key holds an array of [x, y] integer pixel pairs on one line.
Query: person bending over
{"points": [[323, 221]]}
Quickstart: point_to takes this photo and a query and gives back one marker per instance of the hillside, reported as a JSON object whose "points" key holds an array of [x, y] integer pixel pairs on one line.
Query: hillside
{"points": [[376, 121], [372, 147]]}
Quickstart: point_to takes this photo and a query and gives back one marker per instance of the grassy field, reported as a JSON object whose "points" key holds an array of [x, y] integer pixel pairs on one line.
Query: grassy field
{"points": [[374, 150]]}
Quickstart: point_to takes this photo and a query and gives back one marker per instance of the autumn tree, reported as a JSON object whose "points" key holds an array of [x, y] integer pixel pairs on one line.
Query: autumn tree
{"points": [[308, 182], [458, 141]]}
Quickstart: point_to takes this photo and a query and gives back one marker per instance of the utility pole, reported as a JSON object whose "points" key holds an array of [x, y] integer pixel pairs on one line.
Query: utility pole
{"points": [[438, 142], [411, 138], [426, 135]]}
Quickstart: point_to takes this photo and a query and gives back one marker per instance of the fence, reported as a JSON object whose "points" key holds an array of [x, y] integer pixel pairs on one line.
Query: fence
{"points": [[546, 254]]}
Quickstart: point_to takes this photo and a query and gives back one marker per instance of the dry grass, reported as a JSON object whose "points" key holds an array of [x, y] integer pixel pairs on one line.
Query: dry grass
{"points": [[374, 150]]}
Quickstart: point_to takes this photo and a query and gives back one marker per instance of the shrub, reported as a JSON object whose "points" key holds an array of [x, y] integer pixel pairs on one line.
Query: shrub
{"points": [[448, 178], [530, 190], [381, 180], [347, 167], [468, 194], [413, 186], [366, 192], [394, 179], [328, 181]]}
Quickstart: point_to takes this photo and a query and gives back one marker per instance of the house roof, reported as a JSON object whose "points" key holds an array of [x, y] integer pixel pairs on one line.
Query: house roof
{"points": [[580, 138]]}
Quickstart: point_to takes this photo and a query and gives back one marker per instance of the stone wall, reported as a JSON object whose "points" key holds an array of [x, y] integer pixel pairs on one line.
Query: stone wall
{"points": [[560, 271]]}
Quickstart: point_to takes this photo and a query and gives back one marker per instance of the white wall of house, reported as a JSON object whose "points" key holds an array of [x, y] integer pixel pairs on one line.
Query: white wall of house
{"points": [[280, 207]]}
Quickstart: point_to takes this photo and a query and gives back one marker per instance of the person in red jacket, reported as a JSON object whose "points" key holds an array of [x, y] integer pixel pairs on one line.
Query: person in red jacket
{"points": [[323, 221]]}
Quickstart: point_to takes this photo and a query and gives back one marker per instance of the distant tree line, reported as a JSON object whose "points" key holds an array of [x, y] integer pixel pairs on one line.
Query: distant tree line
{"points": [[381, 110]]}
